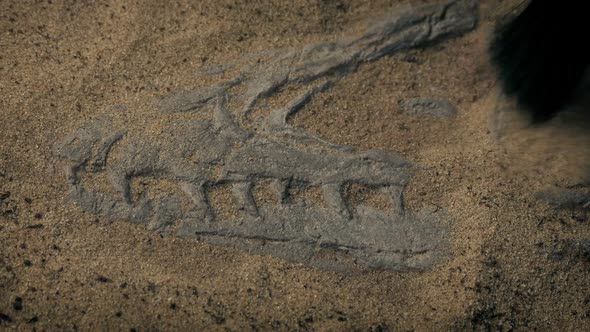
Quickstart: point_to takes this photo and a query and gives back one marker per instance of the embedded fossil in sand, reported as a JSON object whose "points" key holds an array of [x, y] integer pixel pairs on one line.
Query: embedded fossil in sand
{"points": [[200, 153]]}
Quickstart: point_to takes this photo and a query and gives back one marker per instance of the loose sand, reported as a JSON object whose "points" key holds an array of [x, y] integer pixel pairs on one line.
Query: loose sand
{"points": [[61, 62]]}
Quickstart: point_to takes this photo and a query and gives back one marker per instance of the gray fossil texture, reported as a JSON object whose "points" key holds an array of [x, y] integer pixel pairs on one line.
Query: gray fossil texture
{"points": [[239, 148]]}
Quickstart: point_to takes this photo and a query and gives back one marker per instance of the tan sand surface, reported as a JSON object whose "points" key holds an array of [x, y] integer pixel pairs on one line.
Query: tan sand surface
{"points": [[62, 62]]}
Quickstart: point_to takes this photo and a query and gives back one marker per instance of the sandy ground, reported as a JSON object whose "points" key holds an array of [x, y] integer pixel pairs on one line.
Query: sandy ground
{"points": [[61, 62]]}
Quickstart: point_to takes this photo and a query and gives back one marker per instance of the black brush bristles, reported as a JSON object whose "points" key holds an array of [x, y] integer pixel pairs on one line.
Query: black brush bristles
{"points": [[541, 55]]}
